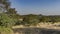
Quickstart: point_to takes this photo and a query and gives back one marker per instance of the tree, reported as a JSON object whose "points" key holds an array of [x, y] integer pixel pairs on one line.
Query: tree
{"points": [[6, 22], [12, 11], [5, 3]]}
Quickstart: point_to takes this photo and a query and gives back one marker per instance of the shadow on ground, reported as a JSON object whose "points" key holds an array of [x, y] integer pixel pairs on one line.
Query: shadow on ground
{"points": [[35, 31]]}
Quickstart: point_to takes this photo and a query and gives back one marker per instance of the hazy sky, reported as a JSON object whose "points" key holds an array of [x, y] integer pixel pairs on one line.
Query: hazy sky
{"points": [[46, 7]]}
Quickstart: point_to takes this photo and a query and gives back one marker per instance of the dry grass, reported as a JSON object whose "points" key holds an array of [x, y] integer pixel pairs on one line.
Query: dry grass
{"points": [[42, 25], [49, 25]]}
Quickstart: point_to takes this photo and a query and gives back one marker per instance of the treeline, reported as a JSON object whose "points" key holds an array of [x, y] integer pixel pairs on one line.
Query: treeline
{"points": [[32, 19]]}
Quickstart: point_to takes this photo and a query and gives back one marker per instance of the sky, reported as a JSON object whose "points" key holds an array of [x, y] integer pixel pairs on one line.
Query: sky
{"points": [[45, 7]]}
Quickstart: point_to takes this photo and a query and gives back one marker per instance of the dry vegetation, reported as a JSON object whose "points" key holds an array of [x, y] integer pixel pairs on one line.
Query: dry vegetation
{"points": [[41, 25]]}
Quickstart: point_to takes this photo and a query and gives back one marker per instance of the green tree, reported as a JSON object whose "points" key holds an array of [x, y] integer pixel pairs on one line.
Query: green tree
{"points": [[6, 22], [12, 11], [5, 3]]}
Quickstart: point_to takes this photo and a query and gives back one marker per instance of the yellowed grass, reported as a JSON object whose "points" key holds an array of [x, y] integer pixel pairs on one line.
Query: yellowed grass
{"points": [[41, 25]]}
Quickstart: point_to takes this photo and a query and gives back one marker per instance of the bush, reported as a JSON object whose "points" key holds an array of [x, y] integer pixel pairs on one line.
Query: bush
{"points": [[6, 21], [4, 30]]}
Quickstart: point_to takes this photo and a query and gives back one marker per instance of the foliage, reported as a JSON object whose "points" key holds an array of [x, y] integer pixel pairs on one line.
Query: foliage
{"points": [[8, 18], [4, 30], [6, 4], [6, 21], [11, 11], [30, 19]]}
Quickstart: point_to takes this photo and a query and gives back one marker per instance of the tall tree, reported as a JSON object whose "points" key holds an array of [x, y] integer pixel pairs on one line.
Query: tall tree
{"points": [[5, 3], [12, 11]]}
